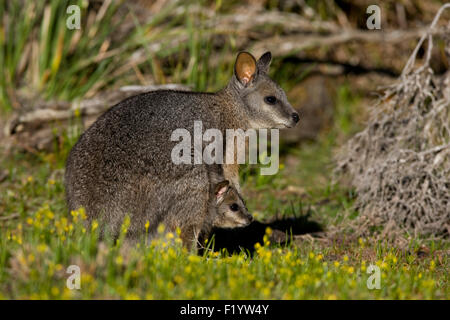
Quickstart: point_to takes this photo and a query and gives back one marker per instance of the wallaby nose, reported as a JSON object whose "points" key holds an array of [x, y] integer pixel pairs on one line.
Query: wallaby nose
{"points": [[250, 218], [295, 117]]}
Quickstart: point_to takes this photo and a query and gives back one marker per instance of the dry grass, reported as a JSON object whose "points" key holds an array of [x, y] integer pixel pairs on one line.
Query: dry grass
{"points": [[399, 164]]}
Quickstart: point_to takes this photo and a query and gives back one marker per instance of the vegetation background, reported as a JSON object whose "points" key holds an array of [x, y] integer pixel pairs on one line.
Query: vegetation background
{"points": [[54, 82]]}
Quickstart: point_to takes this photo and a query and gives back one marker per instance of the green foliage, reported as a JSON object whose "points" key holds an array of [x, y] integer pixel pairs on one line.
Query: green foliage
{"points": [[41, 56], [36, 254], [39, 245], [39, 49], [39, 239]]}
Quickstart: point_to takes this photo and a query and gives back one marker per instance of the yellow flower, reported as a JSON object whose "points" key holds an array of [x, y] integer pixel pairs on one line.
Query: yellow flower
{"points": [[94, 225], [429, 283], [50, 215], [189, 294], [42, 248], [432, 265], [132, 296], [149, 296], [86, 278], [67, 294], [82, 213], [345, 258], [178, 279], [119, 260], [232, 282], [30, 179], [147, 225], [161, 229], [194, 259], [169, 236], [55, 291], [125, 224], [336, 264]]}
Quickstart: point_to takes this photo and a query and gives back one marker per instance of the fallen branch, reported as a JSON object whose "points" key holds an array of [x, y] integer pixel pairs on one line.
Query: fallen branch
{"points": [[32, 128]]}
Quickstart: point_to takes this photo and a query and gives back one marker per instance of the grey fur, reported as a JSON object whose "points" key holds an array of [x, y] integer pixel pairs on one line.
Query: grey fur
{"points": [[122, 164]]}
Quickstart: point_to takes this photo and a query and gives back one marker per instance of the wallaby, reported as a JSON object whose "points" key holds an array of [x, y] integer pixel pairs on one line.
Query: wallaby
{"points": [[226, 210], [122, 164]]}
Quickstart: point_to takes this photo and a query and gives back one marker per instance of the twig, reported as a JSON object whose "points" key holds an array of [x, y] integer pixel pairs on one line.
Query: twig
{"points": [[10, 217], [428, 34]]}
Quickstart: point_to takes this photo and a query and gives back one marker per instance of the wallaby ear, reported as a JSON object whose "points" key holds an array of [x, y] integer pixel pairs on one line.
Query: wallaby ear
{"points": [[221, 189], [245, 68], [264, 62]]}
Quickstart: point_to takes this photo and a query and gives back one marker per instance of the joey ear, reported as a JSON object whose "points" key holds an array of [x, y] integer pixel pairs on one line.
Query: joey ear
{"points": [[220, 190], [245, 68], [264, 62]]}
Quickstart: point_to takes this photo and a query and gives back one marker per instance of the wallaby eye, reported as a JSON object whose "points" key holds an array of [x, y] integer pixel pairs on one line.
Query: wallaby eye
{"points": [[234, 207], [270, 100]]}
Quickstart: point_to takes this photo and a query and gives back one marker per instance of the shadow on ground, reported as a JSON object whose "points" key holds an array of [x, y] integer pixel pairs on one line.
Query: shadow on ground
{"points": [[238, 239]]}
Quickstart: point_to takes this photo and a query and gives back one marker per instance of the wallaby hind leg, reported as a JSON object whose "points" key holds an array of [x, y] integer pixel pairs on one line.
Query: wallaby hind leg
{"points": [[189, 236]]}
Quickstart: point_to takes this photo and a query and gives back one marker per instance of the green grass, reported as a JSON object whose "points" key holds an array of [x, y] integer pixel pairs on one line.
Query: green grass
{"points": [[39, 241], [37, 47], [42, 57]]}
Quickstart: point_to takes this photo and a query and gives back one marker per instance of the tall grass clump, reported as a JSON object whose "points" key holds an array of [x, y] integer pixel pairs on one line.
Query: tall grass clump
{"points": [[38, 50]]}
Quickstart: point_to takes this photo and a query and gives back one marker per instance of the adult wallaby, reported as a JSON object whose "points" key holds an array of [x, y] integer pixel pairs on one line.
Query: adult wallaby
{"points": [[122, 164]]}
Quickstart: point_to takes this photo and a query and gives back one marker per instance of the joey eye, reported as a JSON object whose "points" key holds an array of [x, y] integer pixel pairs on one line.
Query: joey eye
{"points": [[270, 100], [234, 207]]}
